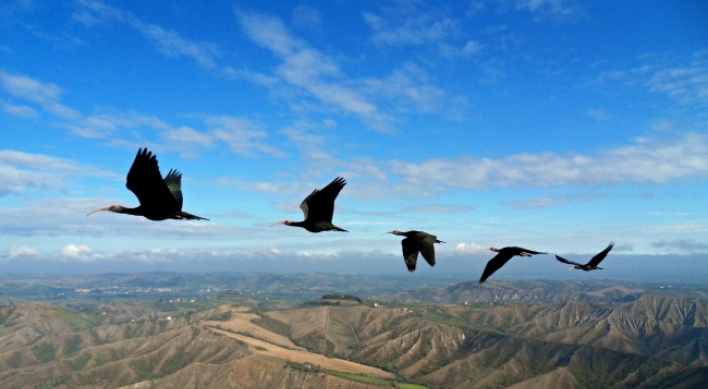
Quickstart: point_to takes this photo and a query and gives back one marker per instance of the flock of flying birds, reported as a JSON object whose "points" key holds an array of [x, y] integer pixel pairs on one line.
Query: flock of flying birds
{"points": [[161, 198]]}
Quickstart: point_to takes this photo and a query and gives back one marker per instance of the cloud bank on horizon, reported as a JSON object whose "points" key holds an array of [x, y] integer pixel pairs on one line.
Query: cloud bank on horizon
{"points": [[558, 125]]}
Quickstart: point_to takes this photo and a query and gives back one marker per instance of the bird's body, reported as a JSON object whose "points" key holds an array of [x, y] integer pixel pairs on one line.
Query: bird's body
{"points": [[159, 198], [415, 242], [592, 264], [318, 208], [503, 256]]}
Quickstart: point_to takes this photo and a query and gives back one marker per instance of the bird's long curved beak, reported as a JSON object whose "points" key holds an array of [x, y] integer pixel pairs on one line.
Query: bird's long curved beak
{"points": [[388, 232], [277, 223], [98, 210]]}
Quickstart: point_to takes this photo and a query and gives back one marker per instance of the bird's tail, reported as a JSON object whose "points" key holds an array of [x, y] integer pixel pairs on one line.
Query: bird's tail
{"points": [[189, 216]]}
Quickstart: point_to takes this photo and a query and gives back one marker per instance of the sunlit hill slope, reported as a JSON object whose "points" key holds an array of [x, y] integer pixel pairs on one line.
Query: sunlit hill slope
{"points": [[649, 342]]}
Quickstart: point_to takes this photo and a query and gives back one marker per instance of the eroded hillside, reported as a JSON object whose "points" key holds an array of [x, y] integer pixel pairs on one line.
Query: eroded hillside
{"points": [[649, 342]]}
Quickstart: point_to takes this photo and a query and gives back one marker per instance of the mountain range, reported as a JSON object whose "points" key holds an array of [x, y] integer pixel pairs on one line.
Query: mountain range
{"points": [[516, 335]]}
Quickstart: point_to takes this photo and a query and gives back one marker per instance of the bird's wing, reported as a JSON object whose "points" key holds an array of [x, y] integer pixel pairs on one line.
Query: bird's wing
{"points": [[410, 253], [427, 248], [319, 205], [495, 264], [304, 205], [173, 180], [561, 259], [145, 181], [600, 256]]}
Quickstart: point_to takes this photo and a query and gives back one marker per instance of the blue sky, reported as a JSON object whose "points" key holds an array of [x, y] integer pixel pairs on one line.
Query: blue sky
{"points": [[556, 125]]}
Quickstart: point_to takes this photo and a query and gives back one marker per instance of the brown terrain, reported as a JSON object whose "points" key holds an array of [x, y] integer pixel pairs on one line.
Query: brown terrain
{"points": [[650, 342]]}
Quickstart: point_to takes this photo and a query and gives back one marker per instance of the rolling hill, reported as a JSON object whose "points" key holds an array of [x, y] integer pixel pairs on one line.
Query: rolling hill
{"points": [[492, 337]]}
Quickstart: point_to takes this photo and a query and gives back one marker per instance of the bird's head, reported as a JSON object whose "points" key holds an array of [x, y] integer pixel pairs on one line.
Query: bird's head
{"points": [[284, 222], [394, 232], [493, 249], [112, 208]]}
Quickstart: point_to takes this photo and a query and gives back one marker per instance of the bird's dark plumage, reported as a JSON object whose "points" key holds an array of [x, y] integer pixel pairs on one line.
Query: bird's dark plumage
{"points": [[592, 264], [417, 241], [503, 256], [159, 198], [318, 208]]}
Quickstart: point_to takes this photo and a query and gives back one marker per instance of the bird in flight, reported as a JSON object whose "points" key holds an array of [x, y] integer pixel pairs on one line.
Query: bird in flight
{"points": [[592, 264], [159, 198], [318, 208], [503, 256], [417, 241]]}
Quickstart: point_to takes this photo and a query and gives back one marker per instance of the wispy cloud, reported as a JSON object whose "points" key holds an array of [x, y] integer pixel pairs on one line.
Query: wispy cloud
{"points": [[19, 110], [646, 161], [687, 84], [438, 209], [690, 245], [541, 9], [548, 201], [410, 89], [241, 136], [46, 95], [600, 115], [170, 43], [307, 17], [410, 29], [417, 24], [309, 69], [683, 80], [21, 172], [21, 252]]}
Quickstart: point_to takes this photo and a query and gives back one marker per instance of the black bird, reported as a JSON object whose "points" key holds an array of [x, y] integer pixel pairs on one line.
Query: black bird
{"points": [[159, 198], [592, 265], [318, 208], [503, 257], [417, 241]]}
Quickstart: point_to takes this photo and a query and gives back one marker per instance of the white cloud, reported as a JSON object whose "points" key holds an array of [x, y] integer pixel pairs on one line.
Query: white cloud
{"points": [[20, 172], [600, 115], [169, 43], [310, 70], [19, 110], [173, 45], [78, 252], [540, 8], [22, 252], [437, 209], [93, 127], [187, 136], [684, 81], [306, 16], [421, 29], [548, 201], [471, 47], [647, 161], [687, 84], [47, 95], [469, 248], [242, 136], [689, 245], [409, 89]]}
